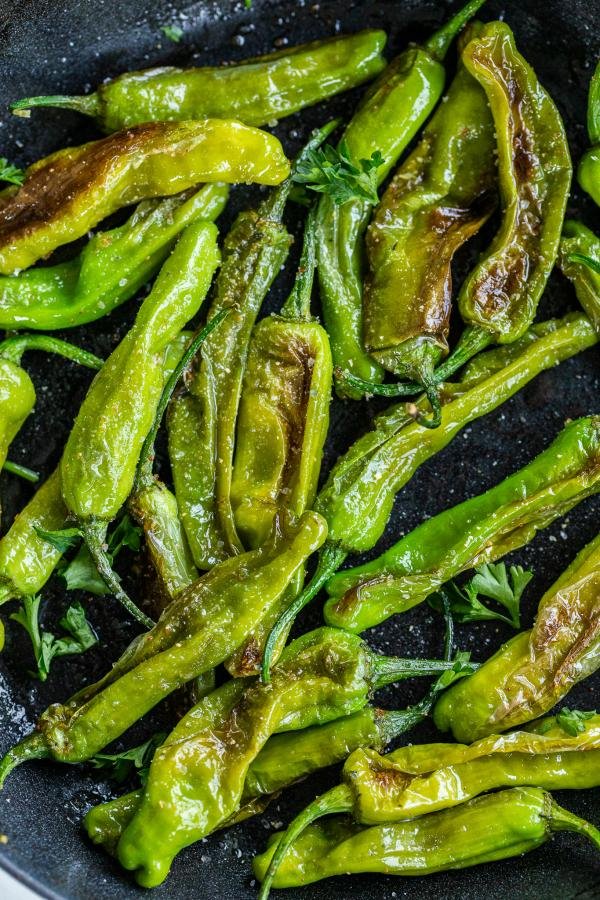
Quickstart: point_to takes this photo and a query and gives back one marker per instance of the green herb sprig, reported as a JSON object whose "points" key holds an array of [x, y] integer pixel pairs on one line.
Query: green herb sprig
{"points": [[493, 582], [172, 32], [11, 174], [119, 766], [572, 721], [330, 171], [46, 647]]}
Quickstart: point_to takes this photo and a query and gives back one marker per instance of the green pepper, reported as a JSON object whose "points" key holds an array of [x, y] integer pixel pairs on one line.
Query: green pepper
{"points": [[357, 498], [579, 260], [203, 625], [438, 198], [495, 826], [479, 530], [110, 269], [69, 192], [534, 670], [391, 114], [197, 776], [588, 173], [256, 92]]}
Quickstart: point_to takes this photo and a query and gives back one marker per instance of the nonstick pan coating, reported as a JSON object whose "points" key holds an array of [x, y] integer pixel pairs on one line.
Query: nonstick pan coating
{"points": [[68, 47]]}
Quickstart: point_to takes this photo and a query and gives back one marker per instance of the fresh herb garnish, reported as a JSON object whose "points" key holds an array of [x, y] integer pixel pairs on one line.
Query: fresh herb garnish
{"points": [[10, 173], [119, 766], [592, 264], [61, 540], [328, 170], [81, 574], [173, 32], [493, 582], [572, 721], [248, 4], [46, 646]]}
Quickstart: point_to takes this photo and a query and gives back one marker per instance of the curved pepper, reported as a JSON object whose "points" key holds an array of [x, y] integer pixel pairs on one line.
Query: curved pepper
{"points": [[269, 87], [391, 114], [479, 530], [496, 826], [579, 260], [534, 670], [588, 172], [110, 269], [69, 192]]}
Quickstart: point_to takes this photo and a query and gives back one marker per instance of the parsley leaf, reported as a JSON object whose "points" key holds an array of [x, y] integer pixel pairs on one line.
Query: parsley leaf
{"points": [[10, 173], [572, 721], [46, 646], [328, 170], [61, 540], [173, 32], [491, 581], [120, 766], [81, 574], [592, 264]]}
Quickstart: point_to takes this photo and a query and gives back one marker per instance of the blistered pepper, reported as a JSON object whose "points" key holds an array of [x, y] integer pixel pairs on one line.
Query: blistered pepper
{"points": [[535, 669], [391, 114], [256, 92], [588, 172], [68, 193], [110, 269], [495, 826], [479, 530], [579, 260], [357, 498]]}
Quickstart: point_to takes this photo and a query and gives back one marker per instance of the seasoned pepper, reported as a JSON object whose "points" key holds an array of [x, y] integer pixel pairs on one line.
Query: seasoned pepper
{"points": [[438, 198], [579, 260], [495, 826], [357, 498], [197, 776], [534, 670], [392, 113], [476, 531], [204, 624], [588, 173], [109, 270], [256, 92], [68, 193]]}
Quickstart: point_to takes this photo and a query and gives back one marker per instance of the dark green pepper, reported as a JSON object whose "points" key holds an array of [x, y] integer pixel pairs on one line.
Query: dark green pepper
{"points": [[256, 92], [579, 260], [588, 173], [68, 193]]}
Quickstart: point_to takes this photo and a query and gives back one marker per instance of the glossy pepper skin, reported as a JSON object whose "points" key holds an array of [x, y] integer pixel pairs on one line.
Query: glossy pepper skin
{"points": [[269, 87], [437, 199], [69, 192], [391, 114], [110, 269], [588, 172], [481, 529], [496, 826], [203, 625], [17, 400], [578, 241], [535, 669], [197, 776]]}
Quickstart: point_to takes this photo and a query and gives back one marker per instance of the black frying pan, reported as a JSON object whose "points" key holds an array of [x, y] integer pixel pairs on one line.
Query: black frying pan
{"points": [[68, 47]]}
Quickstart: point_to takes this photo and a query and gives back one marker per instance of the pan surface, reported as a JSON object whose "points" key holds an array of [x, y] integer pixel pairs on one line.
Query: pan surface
{"points": [[70, 46]]}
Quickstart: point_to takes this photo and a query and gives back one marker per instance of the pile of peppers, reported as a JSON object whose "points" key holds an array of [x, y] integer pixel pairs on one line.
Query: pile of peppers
{"points": [[228, 531]]}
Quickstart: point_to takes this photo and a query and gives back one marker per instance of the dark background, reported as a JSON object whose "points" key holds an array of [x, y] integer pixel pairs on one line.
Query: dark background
{"points": [[70, 46]]}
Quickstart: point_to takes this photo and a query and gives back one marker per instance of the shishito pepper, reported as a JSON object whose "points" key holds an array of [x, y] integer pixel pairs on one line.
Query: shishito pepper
{"points": [[437, 199], [579, 260], [479, 530], [588, 172], [357, 498], [68, 193], [204, 624], [495, 826], [196, 779], [255, 92], [391, 114], [109, 270], [534, 670], [416, 781]]}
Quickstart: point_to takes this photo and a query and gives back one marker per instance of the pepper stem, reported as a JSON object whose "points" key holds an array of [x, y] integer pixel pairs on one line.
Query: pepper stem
{"points": [[22, 471], [560, 819], [337, 800], [432, 392], [439, 42], [144, 470], [330, 559], [94, 534], [472, 341], [32, 747], [388, 669], [88, 104], [13, 349], [297, 305]]}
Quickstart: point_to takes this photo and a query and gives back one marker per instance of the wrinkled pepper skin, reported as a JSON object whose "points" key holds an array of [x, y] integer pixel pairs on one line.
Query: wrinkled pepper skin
{"points": [[197, 631], [536, 668], [496, 826], [110, 269], [69, 192], [437, 199], [577, 239], [501, 295], [479, 530], [588, 172], [392, 113], [17, 400], [269, 87]]}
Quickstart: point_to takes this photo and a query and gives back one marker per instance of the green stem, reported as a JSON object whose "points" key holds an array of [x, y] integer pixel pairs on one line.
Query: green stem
{"points": [[388, 669], [472, 341], [297, 305], [94, 534], [560, 819], [330, 559], [22, 471], [88, 105], [144, 471], [32, 747], [338, 800], [13, 349], [431, 387], [440, 42]]}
